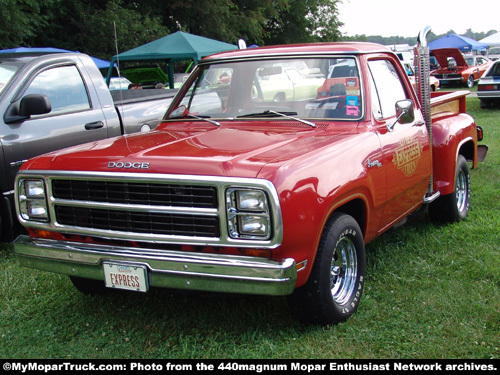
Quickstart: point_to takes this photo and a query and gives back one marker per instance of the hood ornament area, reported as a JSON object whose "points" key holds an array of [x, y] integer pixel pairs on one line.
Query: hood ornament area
{"points": [[128, 165]]}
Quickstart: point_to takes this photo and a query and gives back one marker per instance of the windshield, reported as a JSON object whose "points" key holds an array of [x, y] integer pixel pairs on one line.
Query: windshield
{"points": [[494, 71], [6, 73], [313, 88]]}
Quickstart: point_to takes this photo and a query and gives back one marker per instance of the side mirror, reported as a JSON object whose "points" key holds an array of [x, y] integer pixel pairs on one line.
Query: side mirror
{"points": [[404, 113], [180, 112], [34, 104]]}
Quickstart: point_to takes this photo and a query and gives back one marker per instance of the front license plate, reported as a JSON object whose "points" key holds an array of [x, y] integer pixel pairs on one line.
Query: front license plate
{"points": [[126, 276]]}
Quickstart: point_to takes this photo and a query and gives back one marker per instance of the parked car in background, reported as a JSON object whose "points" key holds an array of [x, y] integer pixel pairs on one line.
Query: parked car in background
{"points": [[488, 87], [455, 68], [278, 83], [342, 77], [119, 83], [433, 81], [494, 53]]}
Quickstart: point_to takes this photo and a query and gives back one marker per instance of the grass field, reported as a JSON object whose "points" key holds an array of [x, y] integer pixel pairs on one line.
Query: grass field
{"points": [[431, 292]]}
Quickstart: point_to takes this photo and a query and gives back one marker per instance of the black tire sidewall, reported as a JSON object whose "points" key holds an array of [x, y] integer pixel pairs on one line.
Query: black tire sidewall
{"points": [[313, 302], [89, 286], [342, 226], [445, 208]]}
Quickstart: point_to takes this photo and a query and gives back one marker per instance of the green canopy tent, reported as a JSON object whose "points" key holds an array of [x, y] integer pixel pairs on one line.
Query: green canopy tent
{"points": [[174, 47]]}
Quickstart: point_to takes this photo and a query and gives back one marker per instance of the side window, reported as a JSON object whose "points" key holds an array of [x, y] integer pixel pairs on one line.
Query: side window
{"points": [[386, 87], [376, 109], [64, 87], [209, 95]]}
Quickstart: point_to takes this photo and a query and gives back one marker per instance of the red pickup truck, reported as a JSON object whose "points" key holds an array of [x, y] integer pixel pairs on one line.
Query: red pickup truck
{"points": [[238, 192]]}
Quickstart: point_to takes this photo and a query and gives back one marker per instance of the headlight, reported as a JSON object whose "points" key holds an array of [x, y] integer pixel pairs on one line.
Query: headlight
{"points": [[34, 189], [251, 200], [32, 201], [248, 214]]}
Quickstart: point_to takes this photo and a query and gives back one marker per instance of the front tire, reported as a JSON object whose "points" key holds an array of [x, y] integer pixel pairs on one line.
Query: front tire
{"points": [[333, 291], [455, 206], [470, 81], [89, 286], [484, 104]]}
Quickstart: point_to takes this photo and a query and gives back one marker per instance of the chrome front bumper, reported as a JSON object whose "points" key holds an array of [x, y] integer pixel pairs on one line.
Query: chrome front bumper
{"points": [[165, 268]]}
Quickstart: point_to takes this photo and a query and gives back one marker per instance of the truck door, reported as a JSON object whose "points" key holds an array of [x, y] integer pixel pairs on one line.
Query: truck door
{"points": [[73, 119], [405, 147]]}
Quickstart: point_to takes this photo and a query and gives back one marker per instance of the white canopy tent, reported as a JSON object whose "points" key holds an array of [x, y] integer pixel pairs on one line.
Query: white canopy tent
{"points": [[492, 40]]}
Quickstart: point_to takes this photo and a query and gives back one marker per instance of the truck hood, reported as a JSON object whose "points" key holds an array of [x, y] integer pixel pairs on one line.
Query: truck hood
{"points": [[236, 149], [442, 55]]}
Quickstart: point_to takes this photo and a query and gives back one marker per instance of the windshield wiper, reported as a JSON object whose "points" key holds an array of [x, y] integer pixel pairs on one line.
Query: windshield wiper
{"points": [[271, 113], [205, 118], [182, 111], [268, 113]]}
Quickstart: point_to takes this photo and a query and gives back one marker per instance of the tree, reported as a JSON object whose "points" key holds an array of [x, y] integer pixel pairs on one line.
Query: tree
{"points": [[118, 29], [89, 25], [305, 21], [22, 20], [225, 20], [257, 21]]}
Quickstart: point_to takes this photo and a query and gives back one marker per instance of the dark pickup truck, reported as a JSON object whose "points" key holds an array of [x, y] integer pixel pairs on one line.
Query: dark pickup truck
{"points": [[52, 101]]}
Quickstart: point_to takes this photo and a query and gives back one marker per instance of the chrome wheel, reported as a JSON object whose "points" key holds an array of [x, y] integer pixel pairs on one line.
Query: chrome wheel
{"points": [[455, 206], [462, 191], [343, 271]]}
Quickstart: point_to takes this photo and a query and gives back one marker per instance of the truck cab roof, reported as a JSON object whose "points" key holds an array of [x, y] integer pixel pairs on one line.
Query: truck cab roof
{"points": [[310, 48]]}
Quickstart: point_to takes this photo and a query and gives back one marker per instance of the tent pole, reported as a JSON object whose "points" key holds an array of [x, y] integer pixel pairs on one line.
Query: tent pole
{"points": [[110, 70], [171, 75]]}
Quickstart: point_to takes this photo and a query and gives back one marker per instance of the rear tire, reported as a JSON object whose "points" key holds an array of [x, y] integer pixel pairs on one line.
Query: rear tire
{"points": [[455, 206], [333, 291]]}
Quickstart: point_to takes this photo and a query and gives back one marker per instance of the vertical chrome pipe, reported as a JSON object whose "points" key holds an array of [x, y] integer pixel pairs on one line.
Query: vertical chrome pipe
{"points": [[422, 70]]}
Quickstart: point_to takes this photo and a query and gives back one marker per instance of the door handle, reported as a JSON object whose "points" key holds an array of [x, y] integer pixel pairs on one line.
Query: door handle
{"points": [[94, 125]]}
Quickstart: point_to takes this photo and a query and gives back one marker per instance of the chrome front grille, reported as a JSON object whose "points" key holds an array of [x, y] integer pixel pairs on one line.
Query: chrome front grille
{"points": [[149, 207], [135, 207], [153, 194], [139, 222], [449, 76]]}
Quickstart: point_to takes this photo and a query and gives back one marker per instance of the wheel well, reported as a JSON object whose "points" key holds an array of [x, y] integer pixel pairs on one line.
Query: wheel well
{"points": [[467, 150], [357, 209]]}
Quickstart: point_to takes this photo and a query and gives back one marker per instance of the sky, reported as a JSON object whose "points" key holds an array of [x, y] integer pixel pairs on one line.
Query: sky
{"points": [[406, 18]]}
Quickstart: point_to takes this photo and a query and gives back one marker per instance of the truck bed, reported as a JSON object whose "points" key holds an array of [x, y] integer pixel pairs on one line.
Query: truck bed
{"points": [[141, 109], [134, 96]]}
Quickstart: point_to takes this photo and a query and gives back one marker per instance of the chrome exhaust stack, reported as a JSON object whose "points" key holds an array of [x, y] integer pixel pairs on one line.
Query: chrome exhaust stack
{"points": [[422, 68], [422, 72]]}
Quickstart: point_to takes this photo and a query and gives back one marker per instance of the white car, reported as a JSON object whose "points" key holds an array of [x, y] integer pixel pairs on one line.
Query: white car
{"points": [[488, 87]]}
